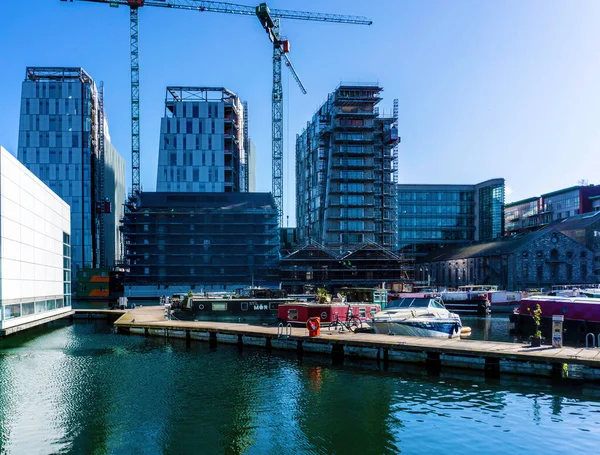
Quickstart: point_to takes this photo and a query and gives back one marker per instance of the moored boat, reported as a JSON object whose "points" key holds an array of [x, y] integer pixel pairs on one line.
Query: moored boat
{"points": [[581, 316], [418, 316], [470, 299]]}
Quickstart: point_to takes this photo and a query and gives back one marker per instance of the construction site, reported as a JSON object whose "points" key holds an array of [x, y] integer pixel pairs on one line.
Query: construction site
{"points": [[346, 174]]}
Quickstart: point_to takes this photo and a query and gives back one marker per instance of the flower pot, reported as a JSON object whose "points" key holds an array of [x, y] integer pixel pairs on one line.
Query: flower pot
{"points": [[536, 342]]}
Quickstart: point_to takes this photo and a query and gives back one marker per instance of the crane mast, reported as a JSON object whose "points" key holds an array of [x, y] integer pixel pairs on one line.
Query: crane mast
{"points": [[270, 20]]}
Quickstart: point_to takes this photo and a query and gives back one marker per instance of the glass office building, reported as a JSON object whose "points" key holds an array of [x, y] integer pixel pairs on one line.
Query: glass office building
{"points": [[202, 142], [431, 216], [64, 141]]}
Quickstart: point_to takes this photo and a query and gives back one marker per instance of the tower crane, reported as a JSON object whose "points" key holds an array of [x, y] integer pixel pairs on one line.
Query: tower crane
{"points": [[270, 20]]}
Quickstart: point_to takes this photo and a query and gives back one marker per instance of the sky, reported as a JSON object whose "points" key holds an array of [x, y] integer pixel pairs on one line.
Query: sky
{"points": [[486, 89]]}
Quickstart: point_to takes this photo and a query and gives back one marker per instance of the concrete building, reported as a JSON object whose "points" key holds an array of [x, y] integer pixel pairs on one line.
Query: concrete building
{"points": [[63, 139], [200, 241], [433, 216], [345, 191], [531, 260], [536, 212], [35, 248], [202, 142]]}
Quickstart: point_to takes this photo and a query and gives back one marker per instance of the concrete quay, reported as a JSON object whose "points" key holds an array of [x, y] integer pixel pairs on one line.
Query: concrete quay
{"points": [[492, 358]]}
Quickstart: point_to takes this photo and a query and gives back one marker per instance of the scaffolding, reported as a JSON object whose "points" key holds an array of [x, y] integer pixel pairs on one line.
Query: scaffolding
{"points": [[369, 264], [202, 239]]}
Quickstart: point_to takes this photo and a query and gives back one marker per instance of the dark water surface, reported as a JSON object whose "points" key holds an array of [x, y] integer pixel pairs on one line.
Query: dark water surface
{"points": [[81, 388]]}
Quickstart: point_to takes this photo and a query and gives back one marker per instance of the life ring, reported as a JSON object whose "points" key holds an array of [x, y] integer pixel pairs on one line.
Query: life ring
{"points": [[201, 306], [313, 324]]}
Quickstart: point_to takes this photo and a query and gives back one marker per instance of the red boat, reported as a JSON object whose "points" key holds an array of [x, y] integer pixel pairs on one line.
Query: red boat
{"points": [[581, 316], [328, 312]]}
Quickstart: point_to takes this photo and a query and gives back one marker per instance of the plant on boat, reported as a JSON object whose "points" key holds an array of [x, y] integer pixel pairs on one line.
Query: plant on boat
{"points": [[323, 296], [537, 320]]}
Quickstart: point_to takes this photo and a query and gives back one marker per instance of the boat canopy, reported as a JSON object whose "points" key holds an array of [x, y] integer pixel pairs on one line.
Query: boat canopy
{"points": [[411, 302]]}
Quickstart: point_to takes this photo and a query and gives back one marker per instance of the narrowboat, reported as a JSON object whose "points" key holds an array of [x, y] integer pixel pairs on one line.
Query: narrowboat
{"points": [[360, 302], [581, 316], [250, 305]]}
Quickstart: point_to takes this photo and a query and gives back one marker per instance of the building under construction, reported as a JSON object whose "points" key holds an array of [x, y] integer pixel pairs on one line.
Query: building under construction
{"points": [[203, 140], [345, 172], [175, 242], [369, 265]]}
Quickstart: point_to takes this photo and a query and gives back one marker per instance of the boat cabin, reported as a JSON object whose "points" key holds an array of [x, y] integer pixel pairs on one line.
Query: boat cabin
{"points": [[415, 302]]}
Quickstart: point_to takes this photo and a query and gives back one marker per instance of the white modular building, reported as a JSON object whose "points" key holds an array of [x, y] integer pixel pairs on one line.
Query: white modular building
{"points": [[35, 251]]}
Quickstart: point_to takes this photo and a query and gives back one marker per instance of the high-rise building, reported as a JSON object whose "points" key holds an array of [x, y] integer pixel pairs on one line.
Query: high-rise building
{"points": [[431, 216], [345, 191], [63, 140], [202, 143]]}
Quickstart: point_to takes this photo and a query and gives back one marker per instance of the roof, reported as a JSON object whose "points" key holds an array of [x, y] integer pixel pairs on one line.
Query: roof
{"points": [[522, 201], [499, 247], [207, 200], [564, 190], [576, 222]]}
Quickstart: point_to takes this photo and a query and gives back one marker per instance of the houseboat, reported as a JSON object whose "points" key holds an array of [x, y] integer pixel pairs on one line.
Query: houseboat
{"points": [[472, 299], [581, 316], [251, 305], [359, 302]]}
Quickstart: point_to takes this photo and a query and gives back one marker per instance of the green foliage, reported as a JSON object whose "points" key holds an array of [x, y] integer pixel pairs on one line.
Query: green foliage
{"points": [[537, 320], [323, 296]]}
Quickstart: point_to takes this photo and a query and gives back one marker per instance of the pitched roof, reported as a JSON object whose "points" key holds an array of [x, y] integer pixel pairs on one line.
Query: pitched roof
{"points": [[575, 222], [503, 246]]}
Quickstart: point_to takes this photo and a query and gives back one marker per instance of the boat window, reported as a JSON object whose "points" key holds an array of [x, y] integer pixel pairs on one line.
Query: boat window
{"points": [[436, 304], [409, 303]]}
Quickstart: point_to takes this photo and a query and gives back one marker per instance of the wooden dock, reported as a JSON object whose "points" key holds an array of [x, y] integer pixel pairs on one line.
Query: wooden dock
{"points": [[493, 358]]}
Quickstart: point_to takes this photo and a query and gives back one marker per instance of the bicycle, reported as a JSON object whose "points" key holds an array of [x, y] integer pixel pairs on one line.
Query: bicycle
{"points": [[352, 322]]}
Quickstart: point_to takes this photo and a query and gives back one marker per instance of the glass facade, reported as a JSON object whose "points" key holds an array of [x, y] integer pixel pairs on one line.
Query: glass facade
{"points": [[490, 198], [430, 216], [58, 142], [202, 144]]}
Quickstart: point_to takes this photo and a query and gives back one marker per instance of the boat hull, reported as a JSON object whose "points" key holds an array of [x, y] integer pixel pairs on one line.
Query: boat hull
{"points": [[432, 329], [300, 312]]}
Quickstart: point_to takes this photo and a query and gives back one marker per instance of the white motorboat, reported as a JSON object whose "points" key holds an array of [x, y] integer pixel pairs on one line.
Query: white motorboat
{"points": [[417, 316]]}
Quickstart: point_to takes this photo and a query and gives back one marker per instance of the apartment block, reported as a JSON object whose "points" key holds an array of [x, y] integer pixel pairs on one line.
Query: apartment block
{"points": [[345, 190]]}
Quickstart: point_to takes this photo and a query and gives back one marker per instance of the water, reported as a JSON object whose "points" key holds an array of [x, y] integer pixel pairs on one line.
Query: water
{"points": [[80, 388]]}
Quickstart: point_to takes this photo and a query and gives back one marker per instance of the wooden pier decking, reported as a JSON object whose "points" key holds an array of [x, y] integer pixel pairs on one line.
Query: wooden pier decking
{"points": [[493, 358]]}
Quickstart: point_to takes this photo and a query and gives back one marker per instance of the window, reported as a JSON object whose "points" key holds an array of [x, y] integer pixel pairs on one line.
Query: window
{"points": [[195, 110], [173, 159], [188, 128], [209, 143]]}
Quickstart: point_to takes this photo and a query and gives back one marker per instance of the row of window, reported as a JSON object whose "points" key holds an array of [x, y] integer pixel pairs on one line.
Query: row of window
{"points": [[17, 310], [192, 126], [45, 139], [192, 142], [187, 159], [181, 174], [436, 196], [404, 209]]}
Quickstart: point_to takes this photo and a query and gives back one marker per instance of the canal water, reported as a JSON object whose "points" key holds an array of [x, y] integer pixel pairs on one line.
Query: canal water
{"points": [[81, 388]]}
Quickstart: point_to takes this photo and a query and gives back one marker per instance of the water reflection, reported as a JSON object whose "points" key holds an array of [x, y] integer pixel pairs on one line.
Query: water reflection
{"points": [[80, 388]]}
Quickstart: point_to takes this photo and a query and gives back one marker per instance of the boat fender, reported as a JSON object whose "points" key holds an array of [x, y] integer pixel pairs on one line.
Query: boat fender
{"points": [[313, 324], [413, 313]]}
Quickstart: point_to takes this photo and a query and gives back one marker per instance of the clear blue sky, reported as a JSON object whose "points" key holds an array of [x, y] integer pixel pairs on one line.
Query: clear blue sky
{"points": [[487, 88]]}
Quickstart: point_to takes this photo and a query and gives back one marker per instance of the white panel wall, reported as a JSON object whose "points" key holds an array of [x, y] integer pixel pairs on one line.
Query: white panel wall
{"points": [[32, 222]]}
